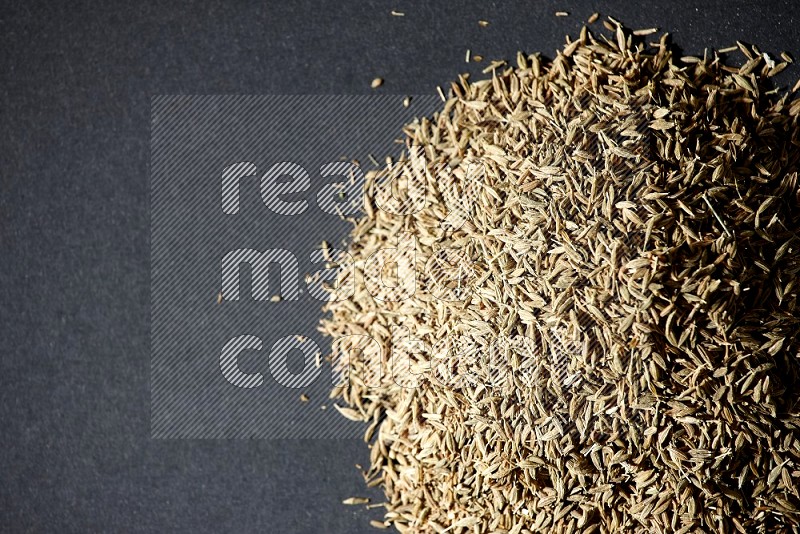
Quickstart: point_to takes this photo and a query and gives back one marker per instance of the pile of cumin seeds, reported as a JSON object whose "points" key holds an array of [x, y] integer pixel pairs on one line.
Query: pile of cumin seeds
{"points": [[633, 235]]}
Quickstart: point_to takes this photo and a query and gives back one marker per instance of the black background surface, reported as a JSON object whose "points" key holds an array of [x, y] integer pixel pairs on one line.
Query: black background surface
{"points": [[75, 447]]}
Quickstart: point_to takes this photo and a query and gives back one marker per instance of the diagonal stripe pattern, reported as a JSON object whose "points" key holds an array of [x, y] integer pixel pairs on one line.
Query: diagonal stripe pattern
{"points": [[242, 191]]}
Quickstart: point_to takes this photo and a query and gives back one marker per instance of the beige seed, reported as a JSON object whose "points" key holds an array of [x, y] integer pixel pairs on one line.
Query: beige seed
{"points": [[355, 500], [611, 225]]}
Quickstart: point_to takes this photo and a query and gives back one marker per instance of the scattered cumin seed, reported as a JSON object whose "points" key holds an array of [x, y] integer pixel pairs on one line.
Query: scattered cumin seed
{"points": [[355, 500]]}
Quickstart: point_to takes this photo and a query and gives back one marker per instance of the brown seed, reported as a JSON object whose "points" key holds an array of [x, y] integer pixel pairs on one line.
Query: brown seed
{"points": [[633, 222], [355, 500]]}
